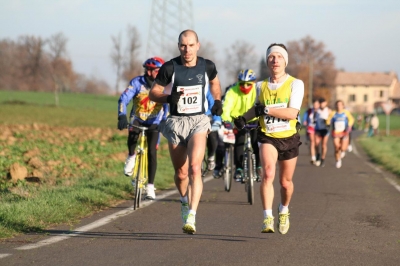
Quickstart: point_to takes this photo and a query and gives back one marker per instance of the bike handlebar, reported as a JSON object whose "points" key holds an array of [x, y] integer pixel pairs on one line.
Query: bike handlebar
{"points": [[139, 127], [229, 125]]}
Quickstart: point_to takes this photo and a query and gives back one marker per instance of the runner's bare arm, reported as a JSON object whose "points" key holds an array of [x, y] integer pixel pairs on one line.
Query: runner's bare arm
{"points": [[283, 113], [215, 88], [157, 94]]}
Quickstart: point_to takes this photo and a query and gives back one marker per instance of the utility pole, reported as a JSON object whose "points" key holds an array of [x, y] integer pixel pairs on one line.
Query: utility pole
{"points": [[310, 82], [168, 18]]}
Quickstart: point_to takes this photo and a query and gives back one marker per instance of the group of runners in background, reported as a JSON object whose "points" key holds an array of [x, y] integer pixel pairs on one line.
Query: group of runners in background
{"points": [[320, 122]]}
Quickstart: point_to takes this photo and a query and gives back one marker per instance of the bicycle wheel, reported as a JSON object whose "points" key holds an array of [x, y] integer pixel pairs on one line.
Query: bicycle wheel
{"points": [[250, 176], [138, 186], [229, 168]]}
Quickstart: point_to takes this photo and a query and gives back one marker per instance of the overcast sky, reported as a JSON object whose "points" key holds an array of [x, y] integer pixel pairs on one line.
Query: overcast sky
{"points": [[362, 35]]}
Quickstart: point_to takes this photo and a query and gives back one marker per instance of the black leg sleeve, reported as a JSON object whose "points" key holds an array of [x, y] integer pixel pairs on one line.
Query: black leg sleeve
{"points": [[212, 143], [239, 146]]}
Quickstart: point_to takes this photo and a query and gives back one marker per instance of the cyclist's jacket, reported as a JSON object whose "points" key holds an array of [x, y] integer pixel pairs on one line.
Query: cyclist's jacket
{"points": [[340, 122], [236, 103], [286, 94], [143, 109], [192, 81]]}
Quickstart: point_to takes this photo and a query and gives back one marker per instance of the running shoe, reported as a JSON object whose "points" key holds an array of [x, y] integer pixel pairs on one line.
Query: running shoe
{"points": [[322, 163], [339, 164], [150, 195], [129, 164], [283, 223], [317, 163], [217, 173], [268, 225], [184, 212], [239, 175], [350, 148], [211, 164], [190, 226]]}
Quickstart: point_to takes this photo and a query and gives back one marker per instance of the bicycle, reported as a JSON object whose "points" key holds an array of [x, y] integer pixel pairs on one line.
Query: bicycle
{"points": [[228, 169], [140, 170], [249, 164]]}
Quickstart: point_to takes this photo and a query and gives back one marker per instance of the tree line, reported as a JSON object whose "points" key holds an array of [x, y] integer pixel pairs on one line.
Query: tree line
{"points": [[33, 63]]}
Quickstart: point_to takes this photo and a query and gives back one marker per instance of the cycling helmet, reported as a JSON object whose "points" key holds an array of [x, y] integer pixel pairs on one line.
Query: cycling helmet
{"points": [[154, 62], [247, 75]]}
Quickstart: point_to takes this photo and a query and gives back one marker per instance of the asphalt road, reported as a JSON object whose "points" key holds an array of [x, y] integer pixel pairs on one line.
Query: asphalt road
{"points": [[346, 216]]}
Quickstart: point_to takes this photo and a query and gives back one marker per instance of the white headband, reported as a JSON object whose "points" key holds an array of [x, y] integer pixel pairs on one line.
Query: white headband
{"points": [[280, 50]]}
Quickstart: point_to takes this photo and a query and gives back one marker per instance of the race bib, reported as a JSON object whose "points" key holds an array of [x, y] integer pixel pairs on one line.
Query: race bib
{"points": [[191, 100], [274, 124], [229, 137], [340, 126]]}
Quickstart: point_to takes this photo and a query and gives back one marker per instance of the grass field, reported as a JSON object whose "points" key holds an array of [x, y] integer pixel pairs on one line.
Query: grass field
{"points": [[74, 157]]}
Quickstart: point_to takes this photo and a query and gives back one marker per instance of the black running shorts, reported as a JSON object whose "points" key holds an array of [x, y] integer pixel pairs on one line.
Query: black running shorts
{"points": [[288, 148]]}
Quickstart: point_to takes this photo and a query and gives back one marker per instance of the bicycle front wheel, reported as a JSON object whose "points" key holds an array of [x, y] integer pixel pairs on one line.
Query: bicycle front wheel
{"points": [[138, 185], [229, 171], [250, 177]]}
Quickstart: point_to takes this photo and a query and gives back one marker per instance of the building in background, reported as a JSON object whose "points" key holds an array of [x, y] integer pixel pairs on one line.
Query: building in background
{"points": [[366, 92]]}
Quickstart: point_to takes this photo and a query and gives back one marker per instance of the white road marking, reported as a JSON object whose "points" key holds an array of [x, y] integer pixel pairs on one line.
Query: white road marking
{"points": [[4, 255], [98, 223]]}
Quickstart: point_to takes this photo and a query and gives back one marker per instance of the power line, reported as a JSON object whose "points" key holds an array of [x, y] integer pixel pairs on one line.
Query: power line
{"points": [[168, 18]]}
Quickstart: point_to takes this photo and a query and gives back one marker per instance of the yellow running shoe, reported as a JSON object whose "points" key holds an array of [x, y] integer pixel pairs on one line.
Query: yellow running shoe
{"points": [[190, 226], [283, 223], [268, 225]]}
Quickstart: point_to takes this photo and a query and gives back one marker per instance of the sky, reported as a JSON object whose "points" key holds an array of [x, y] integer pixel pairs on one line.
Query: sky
{"points": [[364, 36]]}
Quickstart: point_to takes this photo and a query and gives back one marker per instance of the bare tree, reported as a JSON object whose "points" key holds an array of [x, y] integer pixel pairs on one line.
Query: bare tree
{"points": [[32, 61], [132, 66], [241, 55], [117, 58], [208, 51], [309, 61], [58, 49]]}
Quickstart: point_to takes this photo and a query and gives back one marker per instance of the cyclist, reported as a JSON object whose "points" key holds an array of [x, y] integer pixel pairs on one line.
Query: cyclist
{"points": [[280, 98], [321, 132], [146, 113], [341, 121], [183, 83], [309, 122], [238, 100]]}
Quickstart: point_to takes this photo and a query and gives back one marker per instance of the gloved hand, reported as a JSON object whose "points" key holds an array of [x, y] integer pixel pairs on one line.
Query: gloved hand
{"points": [[228, 125], [122, 122], [240, 122], [259, 110], [215, 126], [174, 97], [217, 108]]}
